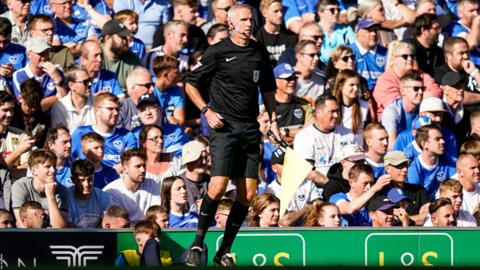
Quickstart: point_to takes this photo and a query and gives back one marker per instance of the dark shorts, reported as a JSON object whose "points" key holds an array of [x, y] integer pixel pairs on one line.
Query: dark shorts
{"points": [[235, 149]]}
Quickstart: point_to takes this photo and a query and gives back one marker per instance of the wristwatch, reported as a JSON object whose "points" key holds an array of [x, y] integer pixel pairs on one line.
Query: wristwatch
{"points": [[287, 131], [204, 109]]}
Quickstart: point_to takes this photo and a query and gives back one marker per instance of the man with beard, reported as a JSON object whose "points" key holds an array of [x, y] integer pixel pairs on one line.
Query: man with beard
{"points": [[429, 56], [101, 80], [117, 140], [117, 58], [60, 143], [442, 212], [43, 188], [132, 191]]}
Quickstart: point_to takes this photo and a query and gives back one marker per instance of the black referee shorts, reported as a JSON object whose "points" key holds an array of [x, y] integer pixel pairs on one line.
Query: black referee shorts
{"points": [[235, 149]]}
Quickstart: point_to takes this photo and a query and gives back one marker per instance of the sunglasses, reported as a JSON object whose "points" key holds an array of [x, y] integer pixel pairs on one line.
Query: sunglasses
{"points": [[346, 57], [146, 85], [333, 10], [85, 82], [417, 88], [406, 56], [309, 54], [402, 165]]}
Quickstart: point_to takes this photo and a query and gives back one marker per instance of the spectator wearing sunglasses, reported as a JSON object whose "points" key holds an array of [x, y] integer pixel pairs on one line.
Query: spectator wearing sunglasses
{"points": [[400, 114], [400, 61], [76, 108], [409, 196]]}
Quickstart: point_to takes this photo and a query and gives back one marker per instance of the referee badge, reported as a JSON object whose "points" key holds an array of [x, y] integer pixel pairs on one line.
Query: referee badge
{"points": [[256, 75]]}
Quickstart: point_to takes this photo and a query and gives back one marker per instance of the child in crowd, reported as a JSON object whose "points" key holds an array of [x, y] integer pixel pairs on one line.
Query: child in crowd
{"points": [[130, 19]]}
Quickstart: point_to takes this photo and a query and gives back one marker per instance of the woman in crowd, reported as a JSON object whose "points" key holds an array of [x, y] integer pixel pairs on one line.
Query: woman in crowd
{"points": [[264, 212], [159, 164], [354, 111], [400, 61], [324, 214], [174, 198]]}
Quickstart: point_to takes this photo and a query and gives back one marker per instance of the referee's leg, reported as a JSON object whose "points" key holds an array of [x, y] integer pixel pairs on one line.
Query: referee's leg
{"points": [[246, 191], [216, 189]]}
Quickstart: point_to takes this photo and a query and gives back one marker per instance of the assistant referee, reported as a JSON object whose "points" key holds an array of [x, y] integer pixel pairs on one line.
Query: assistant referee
{"points": [[237, 67]]}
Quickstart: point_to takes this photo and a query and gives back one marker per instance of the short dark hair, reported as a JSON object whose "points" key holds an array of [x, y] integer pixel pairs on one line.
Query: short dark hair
{"points": [[29, 205], [82, 167], [411, 76], [143, 134], [423, 134], [424, 21], [5, 97], [39, 18], [358, 169], [322, 4], [32, 93], [116, 211], [52, 134], [216, 28], [438, 203], [322, 100], [5, 27], [452, 41], [130, 153]]}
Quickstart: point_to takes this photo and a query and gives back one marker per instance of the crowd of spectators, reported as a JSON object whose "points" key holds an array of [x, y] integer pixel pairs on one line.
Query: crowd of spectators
{"points": [[380, 96]]}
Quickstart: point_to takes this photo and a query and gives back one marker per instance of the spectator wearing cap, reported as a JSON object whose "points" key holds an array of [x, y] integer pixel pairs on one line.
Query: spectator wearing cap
{"points": [[338, 174], [138, 83], [456, 117], [397, 196], [101, 80], [452, 191], [151, 15], [71, 31], [458, 60], [116, 56], [426, 30], [375, 142], [76, 108], [400, 61], [383, 212], [195, 160], [293, 113], [469, 176], [12, 56], [310, 82], [150, 112], [42, 26], [334, 34], [429, 169], [18, 15], [396, 165], [322, 143], [371, 58], [399, 114], [353, 204], [306, 192], [442, 213], [272, 35], [43, 71]]}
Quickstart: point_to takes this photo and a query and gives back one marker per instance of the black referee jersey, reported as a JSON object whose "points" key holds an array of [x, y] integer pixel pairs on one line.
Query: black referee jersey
{"points": [[236, 73]]}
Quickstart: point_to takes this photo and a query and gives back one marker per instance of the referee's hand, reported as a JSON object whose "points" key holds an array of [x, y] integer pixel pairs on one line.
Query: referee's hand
{"points": [[275, 130], [214, 119]]}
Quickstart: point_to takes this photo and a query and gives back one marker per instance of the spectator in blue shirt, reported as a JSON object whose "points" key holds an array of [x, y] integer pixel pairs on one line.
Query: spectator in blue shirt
{"points": [[353, 204], [102, 80], [151, 13], [428, 169], [334, 34], [12, 56], [174, 198], [297, 13], [60, 143]]}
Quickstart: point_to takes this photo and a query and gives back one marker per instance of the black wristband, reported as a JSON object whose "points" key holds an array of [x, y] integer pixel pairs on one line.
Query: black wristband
{"points": [[204, 109]]}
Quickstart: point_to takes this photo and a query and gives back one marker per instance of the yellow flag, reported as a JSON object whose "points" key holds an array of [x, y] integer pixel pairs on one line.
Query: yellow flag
{"points": [[295, 170]]}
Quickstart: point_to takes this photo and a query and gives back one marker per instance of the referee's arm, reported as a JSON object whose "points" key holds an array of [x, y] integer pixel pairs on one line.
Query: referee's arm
{"points": [[213, 118]]}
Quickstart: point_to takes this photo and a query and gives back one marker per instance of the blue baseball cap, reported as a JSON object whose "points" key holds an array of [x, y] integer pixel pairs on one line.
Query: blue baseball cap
{"points": [[365, 24], [421, 121], [284, 71], [396, 195]]}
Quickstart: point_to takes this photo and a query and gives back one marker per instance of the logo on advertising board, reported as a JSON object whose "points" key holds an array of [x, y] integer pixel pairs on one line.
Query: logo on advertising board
{"points": [[76, 257]]}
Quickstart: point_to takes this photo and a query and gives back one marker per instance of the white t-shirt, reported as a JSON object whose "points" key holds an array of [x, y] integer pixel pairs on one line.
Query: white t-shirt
{"points": [[471, 200], [135, 203], [312, 88], [464, 219], [306, 193], [347, 121], [323, 148]]}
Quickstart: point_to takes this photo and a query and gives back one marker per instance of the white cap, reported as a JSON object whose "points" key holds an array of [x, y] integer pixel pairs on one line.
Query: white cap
{"points": [[432, 104], [353, 152]]}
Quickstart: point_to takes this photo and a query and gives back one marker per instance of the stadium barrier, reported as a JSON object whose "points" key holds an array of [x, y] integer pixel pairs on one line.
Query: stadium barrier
{"points": [[271, 247]]}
